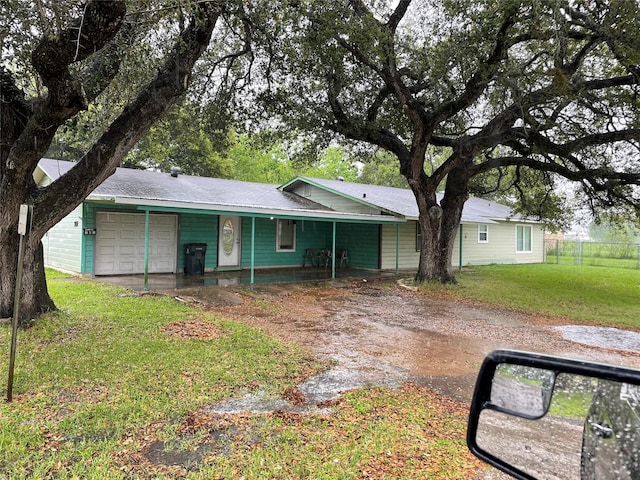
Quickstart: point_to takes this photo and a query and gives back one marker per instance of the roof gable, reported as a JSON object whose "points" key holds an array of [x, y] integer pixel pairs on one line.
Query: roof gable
{"points": [[401, 201]]}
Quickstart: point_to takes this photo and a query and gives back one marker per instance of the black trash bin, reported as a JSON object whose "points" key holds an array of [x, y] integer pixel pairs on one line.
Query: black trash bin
{"points": [[194, 258]]}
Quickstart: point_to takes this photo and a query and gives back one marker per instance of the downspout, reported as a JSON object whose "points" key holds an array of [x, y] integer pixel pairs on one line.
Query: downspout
{"points": [[146, 250], [253, 248], [460, 250]]}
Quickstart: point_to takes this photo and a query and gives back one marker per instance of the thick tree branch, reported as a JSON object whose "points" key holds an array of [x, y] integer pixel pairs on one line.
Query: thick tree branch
{"points": [[485, 73], [151, 103], [99, 23]]}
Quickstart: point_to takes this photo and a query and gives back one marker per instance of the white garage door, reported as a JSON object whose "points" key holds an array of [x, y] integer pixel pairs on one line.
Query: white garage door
{"points": [[119, 247]]}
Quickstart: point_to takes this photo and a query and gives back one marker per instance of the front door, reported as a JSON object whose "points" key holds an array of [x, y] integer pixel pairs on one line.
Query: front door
{"points": [[229, 241]]}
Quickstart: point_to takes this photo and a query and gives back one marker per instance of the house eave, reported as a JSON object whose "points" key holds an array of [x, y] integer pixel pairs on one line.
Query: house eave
{"points": [[244, 210]]}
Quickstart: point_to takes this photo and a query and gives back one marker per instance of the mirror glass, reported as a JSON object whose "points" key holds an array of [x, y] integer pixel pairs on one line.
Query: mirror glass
{"points": [[590, 430], [524, 391]]}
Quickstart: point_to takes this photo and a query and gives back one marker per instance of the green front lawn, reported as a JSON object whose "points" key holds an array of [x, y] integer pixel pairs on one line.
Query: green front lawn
{"points": [[599, 295], [116, 385]]}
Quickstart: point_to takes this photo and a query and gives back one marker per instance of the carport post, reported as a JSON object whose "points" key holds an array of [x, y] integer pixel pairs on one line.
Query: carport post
{"points": [[253, 247], [333, 252], [146, 250], [460, 250], [397, 247]]}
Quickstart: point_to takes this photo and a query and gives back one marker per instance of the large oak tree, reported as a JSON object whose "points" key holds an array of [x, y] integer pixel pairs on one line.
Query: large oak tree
{"points": [[503, 89], [59, 61]]}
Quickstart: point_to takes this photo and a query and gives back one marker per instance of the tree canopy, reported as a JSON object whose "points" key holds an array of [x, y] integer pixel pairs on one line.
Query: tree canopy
{"points": [[112, 68], [501, 88]]}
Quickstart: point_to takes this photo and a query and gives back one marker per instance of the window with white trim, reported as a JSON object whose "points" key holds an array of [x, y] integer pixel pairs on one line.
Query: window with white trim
{"points": [[286, 236], [483, 233], [523, 238]]}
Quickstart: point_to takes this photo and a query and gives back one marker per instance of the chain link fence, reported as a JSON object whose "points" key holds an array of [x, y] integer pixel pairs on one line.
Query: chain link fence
{"points": [[575, 252]]}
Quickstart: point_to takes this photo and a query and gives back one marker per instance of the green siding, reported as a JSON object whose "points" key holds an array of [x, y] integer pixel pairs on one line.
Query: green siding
{"points": [[309, 234], [196, 228], [362, 241], [88, 241]]}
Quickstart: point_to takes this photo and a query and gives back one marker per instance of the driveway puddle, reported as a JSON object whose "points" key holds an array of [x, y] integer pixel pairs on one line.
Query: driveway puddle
{"points": [[603, 337], [319, 389], [384, 336]]}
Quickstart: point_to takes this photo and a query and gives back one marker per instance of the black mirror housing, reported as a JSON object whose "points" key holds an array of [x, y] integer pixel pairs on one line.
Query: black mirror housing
{"points": [[521, 384]]}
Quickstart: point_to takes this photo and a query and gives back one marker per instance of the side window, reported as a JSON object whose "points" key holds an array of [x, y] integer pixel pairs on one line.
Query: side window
{"points": [[286, 236], [483, 233], [523, 238]]}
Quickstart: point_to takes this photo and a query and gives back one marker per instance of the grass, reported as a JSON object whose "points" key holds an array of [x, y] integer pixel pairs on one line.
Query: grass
{"points": [[598, 295], [104, 381], [595, 261]]}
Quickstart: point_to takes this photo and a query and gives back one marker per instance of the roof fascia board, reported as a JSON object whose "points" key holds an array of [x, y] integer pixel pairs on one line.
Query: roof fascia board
{"points": [[257, 212]]}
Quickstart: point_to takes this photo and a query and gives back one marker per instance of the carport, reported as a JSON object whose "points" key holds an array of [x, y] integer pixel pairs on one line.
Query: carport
{"points": [[333, 218]]}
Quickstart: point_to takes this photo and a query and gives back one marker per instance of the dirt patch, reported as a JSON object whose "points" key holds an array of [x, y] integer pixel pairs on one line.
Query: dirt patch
{"points": [[379, 327], [194, 329]]}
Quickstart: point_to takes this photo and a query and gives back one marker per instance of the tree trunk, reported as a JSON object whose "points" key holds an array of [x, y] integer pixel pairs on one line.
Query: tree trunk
{"points": [[439, 225], [34, 297]]}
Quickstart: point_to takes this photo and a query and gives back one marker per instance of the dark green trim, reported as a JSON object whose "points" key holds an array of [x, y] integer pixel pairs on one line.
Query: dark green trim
{"points": [[146, 250]]}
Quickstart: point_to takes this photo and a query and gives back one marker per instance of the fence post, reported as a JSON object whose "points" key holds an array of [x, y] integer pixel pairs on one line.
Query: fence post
{"points": [[576, 252]]}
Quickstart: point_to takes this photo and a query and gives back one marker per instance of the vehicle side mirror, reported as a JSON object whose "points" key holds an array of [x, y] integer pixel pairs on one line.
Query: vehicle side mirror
{"points": [[536, 416]]}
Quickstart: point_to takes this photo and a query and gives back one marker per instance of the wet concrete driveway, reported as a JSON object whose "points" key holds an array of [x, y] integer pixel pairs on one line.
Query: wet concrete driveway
{"points": [[379, 331]]}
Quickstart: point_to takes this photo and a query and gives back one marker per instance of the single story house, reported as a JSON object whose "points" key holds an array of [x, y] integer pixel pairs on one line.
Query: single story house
{"points": [[150, 222]]}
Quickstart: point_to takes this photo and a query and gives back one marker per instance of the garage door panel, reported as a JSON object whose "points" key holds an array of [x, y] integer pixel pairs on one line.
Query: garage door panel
{"points": [[128, 235], [108, 233], [106, 250], [126, 267], [120, 243]]}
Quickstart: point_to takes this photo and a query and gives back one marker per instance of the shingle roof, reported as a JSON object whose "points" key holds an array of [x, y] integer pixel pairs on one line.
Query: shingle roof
{"points": [[403, 202], [147, 187]]}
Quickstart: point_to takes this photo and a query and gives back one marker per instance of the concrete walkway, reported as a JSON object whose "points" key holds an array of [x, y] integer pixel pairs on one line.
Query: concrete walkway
{"points": [[170, 281]]}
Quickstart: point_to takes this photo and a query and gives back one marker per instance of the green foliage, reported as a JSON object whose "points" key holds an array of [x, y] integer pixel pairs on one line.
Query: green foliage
{"points": [[614, 229], [255, 160], [180, 139], [531, 193], [520, 93], [382, 169], [599, 295]]}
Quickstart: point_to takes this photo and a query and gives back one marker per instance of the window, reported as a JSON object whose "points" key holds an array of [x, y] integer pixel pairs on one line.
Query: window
{"points": [[286, 233], [483, 233], [523, 238], [418, 237]]}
